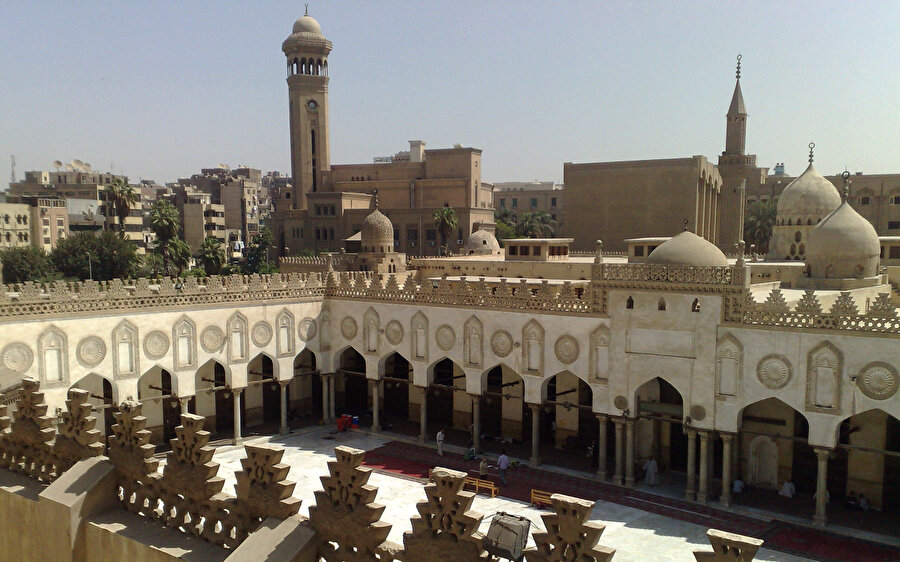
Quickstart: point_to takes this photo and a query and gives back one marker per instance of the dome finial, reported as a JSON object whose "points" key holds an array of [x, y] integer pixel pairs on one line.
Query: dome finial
{"points": [[738, 73], [812, 145], [375, 197], [685, 224], [306, 12], [846, 193]]}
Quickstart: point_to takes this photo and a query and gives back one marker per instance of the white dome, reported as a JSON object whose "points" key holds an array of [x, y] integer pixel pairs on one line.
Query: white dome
{"points": [[687, 249], [844, 245], [377, 234], [482, 242], [808, 199], [307, 24]]}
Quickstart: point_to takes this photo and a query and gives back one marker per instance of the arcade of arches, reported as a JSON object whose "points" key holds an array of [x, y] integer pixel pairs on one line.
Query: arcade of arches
{"points": [[770, 447]]}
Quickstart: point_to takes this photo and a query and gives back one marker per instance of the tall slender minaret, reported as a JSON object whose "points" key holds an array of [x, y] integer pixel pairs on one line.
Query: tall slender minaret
{"points": [[736, 128], [307, 53]]}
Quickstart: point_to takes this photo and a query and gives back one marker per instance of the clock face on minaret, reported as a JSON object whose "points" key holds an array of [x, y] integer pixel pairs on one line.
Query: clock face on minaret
{"points": [[307, 52]]}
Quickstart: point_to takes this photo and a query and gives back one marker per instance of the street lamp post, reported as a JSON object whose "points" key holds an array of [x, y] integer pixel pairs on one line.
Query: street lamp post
{"points": [[90, 266]]}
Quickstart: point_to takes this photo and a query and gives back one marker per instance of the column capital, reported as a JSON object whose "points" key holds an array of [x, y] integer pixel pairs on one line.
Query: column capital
{"points": [[601, 417], [629, 422], [284, 384], [726, 437], [534, 407], [822, 453], [237, 391], [474, 396], [704, 434], [691, 432], [618, 420]]}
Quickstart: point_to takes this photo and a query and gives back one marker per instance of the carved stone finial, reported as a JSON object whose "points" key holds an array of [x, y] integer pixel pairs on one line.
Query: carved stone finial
{"points": [[569, 535], [189, 467], [345, 511], [740, 247], [598, 258], [737, 74], [78, 437], [130, 449], [812, 145], [728, 547], [846, 193], [261, 487], [445, 529]]}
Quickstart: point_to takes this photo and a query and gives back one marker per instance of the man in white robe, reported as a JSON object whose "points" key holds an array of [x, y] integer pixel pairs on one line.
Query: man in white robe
{"points": [[651, 472], [787, 489]]}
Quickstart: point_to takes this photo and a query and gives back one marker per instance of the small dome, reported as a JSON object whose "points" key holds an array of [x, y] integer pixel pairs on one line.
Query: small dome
{"points": [[306, 24], [844, 245], [687, 249], [482, 242], [809, 197], [377, 233]]}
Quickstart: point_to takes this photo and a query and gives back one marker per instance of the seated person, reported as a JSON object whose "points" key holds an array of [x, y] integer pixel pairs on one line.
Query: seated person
{"points": [[470, 454], [863, 503], [482, 467], [738, 486], [787, 489]]}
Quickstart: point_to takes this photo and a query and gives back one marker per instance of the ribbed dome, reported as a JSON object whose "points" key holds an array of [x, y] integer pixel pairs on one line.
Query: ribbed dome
{"points": [[377, 233], [306, 24], [482, 242], [808, 199], [687, 249], [844, 245]]}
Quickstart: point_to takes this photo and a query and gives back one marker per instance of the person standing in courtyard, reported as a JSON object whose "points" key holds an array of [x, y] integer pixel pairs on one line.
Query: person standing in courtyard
{"points": [[651, 472], [440, 442], [503, 466]]}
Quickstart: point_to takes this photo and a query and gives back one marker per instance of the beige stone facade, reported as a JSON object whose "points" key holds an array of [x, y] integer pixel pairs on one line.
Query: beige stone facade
{"points": [[522, 197]]}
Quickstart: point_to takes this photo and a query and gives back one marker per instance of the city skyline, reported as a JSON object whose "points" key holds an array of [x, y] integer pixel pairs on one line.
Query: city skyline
{"points": [[546, 87]]}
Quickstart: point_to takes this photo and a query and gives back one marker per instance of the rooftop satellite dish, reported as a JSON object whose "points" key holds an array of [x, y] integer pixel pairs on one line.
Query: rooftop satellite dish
{"points": [[77, 164], [87, 167], [57, 164], [70, 168]]}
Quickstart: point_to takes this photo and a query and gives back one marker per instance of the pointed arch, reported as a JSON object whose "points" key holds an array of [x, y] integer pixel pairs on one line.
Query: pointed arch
{"points": [[824, 366], [533, 348], [598, 370], [126, 359], [371, 331], [473, 342], [661, 304], [184, 343], [629, 304], [418, 337], [53, 357], [236, 330], [729, 366], [284, 329]]}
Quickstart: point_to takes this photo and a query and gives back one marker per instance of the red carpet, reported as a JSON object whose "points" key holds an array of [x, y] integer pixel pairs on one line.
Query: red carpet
{"points": [[414, 461]]}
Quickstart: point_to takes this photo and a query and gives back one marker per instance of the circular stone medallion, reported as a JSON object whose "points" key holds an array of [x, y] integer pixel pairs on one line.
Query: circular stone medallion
{"points": [[17, 357], [212, 338], [878, 381], [91, 351], [348, 328], [774, 371], [445, 337], [566, 349], [698, 412], [394, 332], [261, 333], [620, 402], [501, 343], [307, 329], [156, 344]]}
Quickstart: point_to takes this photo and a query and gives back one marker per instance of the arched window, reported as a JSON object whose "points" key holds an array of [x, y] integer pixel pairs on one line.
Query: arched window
{"points": [[789, 222], [629, 304], [303, 66], [797, 236], [661, 305], [695, 307]]}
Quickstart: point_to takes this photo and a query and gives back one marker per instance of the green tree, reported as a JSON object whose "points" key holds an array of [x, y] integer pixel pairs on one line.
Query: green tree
{"points": [[212, 258], [759, 220], [164, 223], [445, 222], [504, 230], [258, 253], [179, 257], [104, 257], [122, 196], [537, 224], [507, 217], [26, 264]]}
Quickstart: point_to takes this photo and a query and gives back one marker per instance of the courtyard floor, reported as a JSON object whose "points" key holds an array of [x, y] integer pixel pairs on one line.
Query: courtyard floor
{"points": [[640, 525]]}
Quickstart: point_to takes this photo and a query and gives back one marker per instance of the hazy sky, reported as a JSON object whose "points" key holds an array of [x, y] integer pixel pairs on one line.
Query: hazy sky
{"points": [[162, 88]]}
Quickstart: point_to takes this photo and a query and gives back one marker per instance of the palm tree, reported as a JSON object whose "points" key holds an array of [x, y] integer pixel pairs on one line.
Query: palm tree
{"points": [[507, 216], [180, 254], [122, 196], [758, 224], [164, 223], [211, 256], [537, 224], [445, 222]]}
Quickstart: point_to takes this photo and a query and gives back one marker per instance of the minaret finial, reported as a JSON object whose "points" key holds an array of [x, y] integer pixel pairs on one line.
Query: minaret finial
{"points": [[685, 225], [375, 196], [738, 73], [306, 13], [812, 145], [846, 176]]}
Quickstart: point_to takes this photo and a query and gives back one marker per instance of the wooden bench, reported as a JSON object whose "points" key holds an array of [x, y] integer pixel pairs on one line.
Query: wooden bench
{"points": [[481, 484], [539, 497]]}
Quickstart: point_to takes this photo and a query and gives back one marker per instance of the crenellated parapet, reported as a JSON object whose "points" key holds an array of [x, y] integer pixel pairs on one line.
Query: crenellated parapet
{"points": [[878, 315]]}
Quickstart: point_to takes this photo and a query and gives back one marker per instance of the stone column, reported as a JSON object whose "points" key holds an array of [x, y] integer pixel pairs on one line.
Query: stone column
{"points": [[236, 393], [325, 416], [331, 384], [620, 450], [629, 452], [185, 404], [535, 434], [476, 422], [423, 414], [601, 447], [725, 498], [820, 519], [284, 407], [691, 490], [376, 406], [703, 487]]}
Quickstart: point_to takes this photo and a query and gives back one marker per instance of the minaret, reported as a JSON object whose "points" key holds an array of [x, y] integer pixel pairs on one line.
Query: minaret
{"points": [[307, 53], [736, 128]]}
